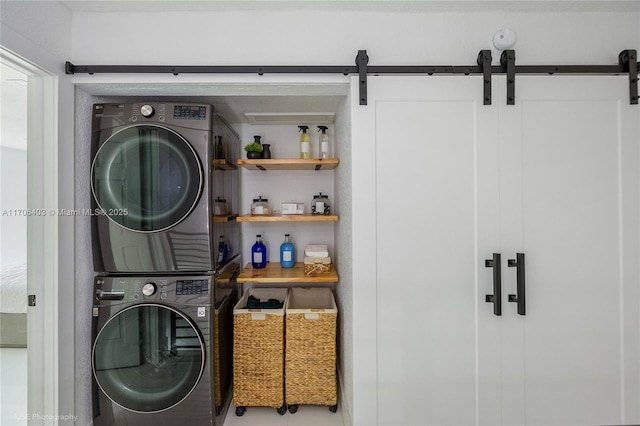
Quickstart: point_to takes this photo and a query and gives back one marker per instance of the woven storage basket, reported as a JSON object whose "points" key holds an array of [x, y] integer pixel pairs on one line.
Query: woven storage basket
{"points": [[258, 351], [310, 352], [317, 265]]}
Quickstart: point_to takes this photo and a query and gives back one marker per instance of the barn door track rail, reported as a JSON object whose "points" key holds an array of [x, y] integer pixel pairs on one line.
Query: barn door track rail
{"points": [[627, 64]]}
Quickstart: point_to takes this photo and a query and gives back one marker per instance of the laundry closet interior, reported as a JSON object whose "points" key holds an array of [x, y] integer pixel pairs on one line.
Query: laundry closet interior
{"points": [[272, 111]]}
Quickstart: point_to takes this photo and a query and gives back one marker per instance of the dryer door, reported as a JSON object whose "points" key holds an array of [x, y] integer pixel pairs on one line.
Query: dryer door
{"points": [[146, 178], [148, 358]]}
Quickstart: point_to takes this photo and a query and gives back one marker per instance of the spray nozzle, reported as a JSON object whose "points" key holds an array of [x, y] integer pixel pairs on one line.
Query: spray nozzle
{"points": [[323, 128], [303, 128]]}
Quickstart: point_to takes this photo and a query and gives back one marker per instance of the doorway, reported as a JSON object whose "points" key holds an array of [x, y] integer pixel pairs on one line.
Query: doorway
{"points": [[28, 234]]}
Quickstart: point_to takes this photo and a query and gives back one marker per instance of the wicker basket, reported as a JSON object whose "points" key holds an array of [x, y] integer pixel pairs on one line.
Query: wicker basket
{"points": [[317, 265], [310, 352], [258, 351]]}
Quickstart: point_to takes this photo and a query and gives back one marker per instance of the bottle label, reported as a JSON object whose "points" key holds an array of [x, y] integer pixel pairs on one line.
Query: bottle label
{"points": [[259, 210], [304, 146], [325, 147], [319, 207], [257, 257], [286, 256]]}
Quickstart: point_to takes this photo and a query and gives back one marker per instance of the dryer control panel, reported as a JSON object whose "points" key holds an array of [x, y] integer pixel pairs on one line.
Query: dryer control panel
{"points": [[182, 289]]}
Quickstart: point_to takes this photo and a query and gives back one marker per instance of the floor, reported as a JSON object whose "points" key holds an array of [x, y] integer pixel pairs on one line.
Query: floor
{"points": [[307, 415], [13, 386]]}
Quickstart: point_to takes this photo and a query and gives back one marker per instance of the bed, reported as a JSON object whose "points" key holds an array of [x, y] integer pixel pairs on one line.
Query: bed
{"points": [[13, 305]]}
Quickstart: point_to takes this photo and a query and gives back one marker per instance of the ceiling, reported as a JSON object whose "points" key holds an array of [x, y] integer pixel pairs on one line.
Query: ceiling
{"points": [[403, 6]]}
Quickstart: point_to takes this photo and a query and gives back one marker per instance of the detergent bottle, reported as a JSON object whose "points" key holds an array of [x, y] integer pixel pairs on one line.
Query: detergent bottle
{"points": [[305, 142], [287, 253], [324, 142], [259, 254]]}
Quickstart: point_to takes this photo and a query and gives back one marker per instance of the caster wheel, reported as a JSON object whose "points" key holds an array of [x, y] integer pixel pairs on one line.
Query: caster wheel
{"points": [[282, 410], [240, 411], [333, 408], [293, 408]]}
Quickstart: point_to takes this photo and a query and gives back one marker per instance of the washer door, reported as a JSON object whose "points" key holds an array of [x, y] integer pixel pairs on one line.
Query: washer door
{"points": [[146, 178], [148, 358]]}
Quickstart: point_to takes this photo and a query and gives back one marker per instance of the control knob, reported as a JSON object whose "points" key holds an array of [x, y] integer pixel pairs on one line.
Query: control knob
{"points": [[149, 289], [147, 111]]}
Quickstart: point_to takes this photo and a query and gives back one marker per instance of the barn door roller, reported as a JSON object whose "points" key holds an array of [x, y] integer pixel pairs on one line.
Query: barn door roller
{"points": [[627, 64], [361, 62], [627, 59]]}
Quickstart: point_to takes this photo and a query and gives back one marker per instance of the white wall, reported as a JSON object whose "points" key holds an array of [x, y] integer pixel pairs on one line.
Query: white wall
{"points": [[40, 32], [299, 37]]}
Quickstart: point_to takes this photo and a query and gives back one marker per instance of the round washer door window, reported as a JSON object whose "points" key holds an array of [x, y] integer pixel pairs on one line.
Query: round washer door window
{"points": [[148, 358], [146, 178]]}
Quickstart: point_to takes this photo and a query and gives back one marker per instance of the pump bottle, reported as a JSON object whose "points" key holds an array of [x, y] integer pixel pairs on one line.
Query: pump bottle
{"points": [[287, 253], [305, 142], [259, 254], [323, 142]]}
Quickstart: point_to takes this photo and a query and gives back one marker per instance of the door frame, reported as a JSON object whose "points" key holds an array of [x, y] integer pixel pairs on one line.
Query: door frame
{"points": [[42, 240]]}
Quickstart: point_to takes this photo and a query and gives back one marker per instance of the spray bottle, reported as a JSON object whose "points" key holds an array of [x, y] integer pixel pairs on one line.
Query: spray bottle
{"points": [[305, 142], [323, 142]]}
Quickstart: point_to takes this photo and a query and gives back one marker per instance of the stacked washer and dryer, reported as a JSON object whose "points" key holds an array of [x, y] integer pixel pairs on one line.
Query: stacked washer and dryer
{"points": [[160, 352]]}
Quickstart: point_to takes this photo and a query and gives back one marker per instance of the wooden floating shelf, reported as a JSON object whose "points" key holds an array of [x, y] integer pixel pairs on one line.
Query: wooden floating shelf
{"points": [[274, 273], [224, 165], [226, 276], [290, 164], [289, 218], [225, 218]]}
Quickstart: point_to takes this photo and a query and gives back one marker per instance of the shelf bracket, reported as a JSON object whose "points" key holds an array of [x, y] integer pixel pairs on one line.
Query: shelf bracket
{"points": [[484, 61], [628, 58], [508, 59], [362, 59]]}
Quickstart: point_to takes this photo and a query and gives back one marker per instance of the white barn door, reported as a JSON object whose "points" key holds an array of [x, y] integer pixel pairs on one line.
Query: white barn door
{"points": [[554, 177]]}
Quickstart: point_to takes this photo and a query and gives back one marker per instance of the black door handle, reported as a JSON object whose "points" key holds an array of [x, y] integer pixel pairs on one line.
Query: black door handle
{"points": [[519, 297], [496, 297]]}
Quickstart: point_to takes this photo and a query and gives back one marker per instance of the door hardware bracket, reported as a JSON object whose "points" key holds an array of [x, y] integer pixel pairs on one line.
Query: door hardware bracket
{"points": [[484, 60], [628, 59], [31, 300], [362, 59], [508, 60]]}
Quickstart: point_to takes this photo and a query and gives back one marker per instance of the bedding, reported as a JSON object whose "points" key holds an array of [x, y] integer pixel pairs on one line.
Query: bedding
{"points": [[13, 288], [13, 305]]}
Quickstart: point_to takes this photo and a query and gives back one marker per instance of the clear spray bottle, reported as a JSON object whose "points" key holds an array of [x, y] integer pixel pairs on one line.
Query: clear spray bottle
{"points": [[305, 142], [324, 142]]}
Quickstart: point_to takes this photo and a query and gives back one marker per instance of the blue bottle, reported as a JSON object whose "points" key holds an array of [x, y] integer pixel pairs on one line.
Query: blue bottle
{"points": [[287, 253], [224, 251], [259, 254]]}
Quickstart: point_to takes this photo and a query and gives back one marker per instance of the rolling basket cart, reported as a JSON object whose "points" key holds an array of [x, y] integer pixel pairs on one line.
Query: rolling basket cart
{"points": [[258, 352], [310, 349]]}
